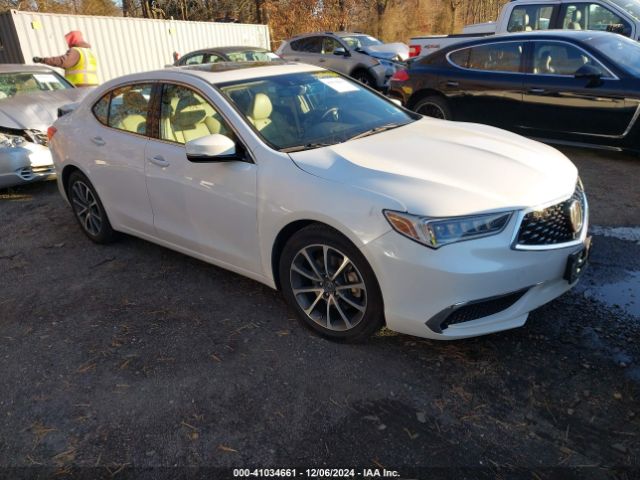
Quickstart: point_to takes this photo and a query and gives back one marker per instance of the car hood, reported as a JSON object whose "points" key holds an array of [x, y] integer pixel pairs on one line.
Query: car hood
{"points": [[441, 168], [388, 51], [37, 110]]}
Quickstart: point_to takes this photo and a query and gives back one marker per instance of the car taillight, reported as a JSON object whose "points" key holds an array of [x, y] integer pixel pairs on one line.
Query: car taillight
{"points": [[414, 50], [400, 76], [51, 131]]}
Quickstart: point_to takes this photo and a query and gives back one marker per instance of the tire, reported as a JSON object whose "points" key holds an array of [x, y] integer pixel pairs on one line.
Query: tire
{"points": [[316, 294], [88, 209], [433, 106], [364, 77]]}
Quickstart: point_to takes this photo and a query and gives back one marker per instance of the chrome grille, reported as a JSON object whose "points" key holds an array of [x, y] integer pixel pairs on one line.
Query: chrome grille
{"points": [[552, 225]]}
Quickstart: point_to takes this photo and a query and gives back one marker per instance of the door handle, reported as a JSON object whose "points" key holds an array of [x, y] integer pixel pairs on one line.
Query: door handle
{"points": [[537, 90], [451, 83], [98, 141], [159, 161]]}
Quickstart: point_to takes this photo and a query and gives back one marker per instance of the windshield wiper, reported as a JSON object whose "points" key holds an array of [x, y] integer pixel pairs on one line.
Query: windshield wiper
{"points": [[374, 130], [308, 146]]}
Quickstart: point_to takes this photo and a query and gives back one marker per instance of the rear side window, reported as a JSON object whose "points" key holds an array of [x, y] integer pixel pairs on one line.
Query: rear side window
{"points": [[495, 57], [309, 45], [101, 109], [527, 18], [194, 59]]}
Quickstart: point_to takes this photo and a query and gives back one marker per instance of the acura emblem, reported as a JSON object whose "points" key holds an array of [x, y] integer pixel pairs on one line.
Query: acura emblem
{"points": [[575, 215]]}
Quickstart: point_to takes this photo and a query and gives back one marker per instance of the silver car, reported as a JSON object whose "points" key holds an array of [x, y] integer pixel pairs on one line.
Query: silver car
{"points": [[29, 100], [358, 55]]}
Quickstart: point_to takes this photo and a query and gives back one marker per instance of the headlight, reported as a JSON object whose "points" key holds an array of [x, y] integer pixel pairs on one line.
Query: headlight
{"points": [[436, 232], [9, 141]]}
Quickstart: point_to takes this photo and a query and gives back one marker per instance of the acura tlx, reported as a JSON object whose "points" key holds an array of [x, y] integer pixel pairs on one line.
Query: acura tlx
{"points": [[362, 213]]}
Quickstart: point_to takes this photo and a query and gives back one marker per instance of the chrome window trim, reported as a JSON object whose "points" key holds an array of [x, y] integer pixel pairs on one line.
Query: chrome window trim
{"points": [[455, 65], [554, 246]]}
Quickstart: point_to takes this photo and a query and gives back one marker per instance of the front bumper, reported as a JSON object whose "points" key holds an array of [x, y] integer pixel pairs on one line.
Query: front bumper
{"points": [[419, 283], [25, 164]]}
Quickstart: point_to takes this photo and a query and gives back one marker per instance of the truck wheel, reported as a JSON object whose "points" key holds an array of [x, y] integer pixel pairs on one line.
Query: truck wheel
{"points": [[433, 106]]}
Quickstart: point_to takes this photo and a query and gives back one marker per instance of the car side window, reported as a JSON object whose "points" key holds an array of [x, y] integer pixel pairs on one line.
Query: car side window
{"points": [[101, 109], [185, 115], [555, 58], [310, 45], [194, 59], [329, 45], [129, 108], [213, 58], [593, 16], [527, 18], [493, 57]]}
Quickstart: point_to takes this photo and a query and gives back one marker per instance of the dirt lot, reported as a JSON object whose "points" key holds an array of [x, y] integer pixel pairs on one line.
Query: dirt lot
{"points": [[132, 356]]}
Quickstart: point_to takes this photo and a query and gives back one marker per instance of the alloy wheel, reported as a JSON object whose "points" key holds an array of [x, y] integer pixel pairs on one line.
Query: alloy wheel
{"points": [[328, 287], [432, 110], [86, 208]]}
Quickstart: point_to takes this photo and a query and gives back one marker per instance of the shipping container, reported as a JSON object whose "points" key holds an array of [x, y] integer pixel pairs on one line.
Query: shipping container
{"points": [[122, 44]]}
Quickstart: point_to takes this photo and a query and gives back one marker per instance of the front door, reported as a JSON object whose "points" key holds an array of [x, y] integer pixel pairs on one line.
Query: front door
{"points": [[556, 103], [208, 208]]}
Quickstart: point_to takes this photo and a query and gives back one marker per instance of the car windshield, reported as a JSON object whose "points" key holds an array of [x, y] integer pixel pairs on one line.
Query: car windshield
{"points": [[621, 50], [307, 110], [632, 7], [252, 56], [18, 83], [359, 41]]}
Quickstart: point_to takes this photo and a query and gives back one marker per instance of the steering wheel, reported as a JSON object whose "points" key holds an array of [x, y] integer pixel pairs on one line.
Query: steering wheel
{"points": [[333, 115]]}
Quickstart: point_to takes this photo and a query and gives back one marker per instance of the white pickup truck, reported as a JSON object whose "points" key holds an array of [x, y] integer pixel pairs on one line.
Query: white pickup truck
{"points": [[620, 16]]}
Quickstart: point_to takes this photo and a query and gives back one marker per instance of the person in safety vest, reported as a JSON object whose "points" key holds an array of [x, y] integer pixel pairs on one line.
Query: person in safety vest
{"points": [[79, 63]]}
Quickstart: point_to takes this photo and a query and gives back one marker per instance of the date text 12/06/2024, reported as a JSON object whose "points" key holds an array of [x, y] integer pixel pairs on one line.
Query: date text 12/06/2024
{"points": [[314, 473]]}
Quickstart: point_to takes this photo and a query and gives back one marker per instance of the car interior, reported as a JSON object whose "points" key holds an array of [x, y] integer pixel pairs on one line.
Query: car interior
{"points": [[559, 59], [128, 110]]}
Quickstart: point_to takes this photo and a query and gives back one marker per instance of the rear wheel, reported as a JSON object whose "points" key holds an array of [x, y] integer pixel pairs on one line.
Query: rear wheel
{"points": [[330, 285], [433, 106], [88, 209]]}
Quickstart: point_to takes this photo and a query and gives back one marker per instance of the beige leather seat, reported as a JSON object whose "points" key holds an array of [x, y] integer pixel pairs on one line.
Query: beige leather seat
{"points": [[193, 119], [527, 26], [575, 23], [132, 115], [260, 111]]}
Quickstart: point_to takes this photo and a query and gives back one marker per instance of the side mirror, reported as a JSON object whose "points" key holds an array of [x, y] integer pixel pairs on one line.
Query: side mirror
{"points": [[341, 51], [212, 148], [591, 73]]}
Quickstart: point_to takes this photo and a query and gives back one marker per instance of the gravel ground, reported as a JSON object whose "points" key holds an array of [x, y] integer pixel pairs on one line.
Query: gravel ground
{"points": [[131, 360]]}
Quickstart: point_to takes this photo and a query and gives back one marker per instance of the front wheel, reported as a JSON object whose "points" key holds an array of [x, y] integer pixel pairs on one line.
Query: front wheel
{"points": [[330, 285], [365, 78], [88, 209], [433, 106]]}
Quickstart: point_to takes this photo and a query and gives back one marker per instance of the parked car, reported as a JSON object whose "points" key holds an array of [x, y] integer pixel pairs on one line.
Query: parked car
{"points": [[360, 56], [619, 16], [227, 54], [291, 175], [564, 87], [29, 100]]}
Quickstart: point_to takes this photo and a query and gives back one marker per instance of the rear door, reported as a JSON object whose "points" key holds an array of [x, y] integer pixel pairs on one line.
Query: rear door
{"points": [[306, 50], [557, 103], [484, 83], [115, 148]]}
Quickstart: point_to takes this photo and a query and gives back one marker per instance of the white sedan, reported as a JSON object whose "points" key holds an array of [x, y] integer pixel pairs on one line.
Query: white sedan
{"points": [[362, 213]]}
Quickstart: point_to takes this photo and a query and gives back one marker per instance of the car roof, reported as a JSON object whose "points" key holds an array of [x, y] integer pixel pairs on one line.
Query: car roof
{"points": [[219, 72], [21, 68], [575, 35], [227, 49], [337, 34]]}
